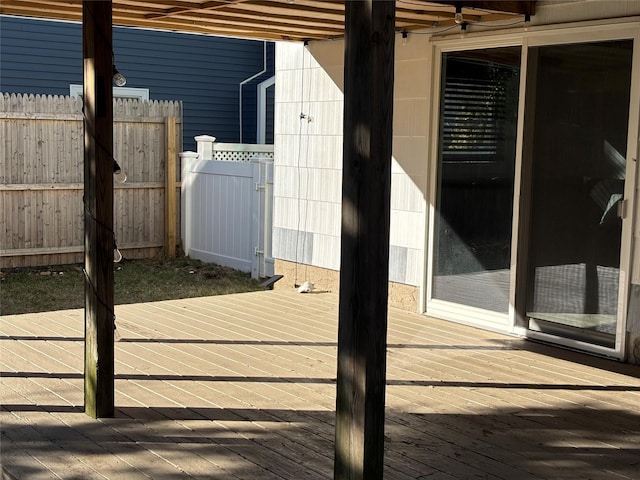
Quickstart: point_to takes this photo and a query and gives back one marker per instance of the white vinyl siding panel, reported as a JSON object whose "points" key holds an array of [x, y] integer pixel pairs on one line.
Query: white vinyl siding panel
{"points": [[308, 159]]}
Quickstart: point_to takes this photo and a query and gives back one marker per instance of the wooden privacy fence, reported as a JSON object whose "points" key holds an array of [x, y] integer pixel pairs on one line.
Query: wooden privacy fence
{"points": [[41, 178]]}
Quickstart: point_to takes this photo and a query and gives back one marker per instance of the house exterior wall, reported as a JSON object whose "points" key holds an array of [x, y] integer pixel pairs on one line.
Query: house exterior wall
{"points": [[308, 157], [307, 173], [203, 72], [308, 169]]}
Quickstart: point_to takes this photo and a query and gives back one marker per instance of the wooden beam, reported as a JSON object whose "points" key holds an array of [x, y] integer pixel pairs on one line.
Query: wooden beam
{"points": [[522, 7], [170, 194], [366, 187], [267, 19], [98, 199], [214, 5]]}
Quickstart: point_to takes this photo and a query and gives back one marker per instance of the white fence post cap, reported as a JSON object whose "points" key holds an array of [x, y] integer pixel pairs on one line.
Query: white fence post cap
{"points": [[205, 146], [205, 138]]}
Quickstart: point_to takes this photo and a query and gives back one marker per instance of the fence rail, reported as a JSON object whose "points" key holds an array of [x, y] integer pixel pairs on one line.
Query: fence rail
{"points": [[41, 178]]}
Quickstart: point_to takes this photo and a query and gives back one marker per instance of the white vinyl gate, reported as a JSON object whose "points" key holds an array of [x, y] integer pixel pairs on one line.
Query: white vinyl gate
{"points": [[228, 205]]}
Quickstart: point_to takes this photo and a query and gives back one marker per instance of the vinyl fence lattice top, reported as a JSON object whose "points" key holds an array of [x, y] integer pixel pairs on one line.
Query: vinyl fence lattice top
{"points": [[235, 156]]}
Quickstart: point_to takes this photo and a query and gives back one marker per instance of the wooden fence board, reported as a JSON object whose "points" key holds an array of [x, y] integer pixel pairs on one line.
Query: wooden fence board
{"points": [[41, 178], [170, 191]]}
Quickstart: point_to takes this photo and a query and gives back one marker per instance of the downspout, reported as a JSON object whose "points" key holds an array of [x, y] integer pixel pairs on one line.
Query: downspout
{"points": [[247, 80]]}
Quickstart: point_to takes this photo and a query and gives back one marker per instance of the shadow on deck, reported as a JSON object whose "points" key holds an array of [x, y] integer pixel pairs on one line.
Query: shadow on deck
{"points": [[243, 386]]}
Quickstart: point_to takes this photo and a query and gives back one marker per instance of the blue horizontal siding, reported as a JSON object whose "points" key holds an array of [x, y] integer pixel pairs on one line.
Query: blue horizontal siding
{"points": [[39, 57], [203, 72], [271, 94]]}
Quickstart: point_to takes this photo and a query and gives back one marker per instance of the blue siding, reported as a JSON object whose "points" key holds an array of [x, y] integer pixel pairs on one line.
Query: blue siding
{"points": [[204, 72], [271, 95]]}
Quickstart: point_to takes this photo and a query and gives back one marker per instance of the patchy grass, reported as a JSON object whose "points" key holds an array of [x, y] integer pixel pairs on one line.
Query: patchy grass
{"points": [[61, 287]]}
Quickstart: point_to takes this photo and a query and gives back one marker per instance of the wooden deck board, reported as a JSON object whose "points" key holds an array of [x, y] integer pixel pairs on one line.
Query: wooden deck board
{"points": [[243, 387]]}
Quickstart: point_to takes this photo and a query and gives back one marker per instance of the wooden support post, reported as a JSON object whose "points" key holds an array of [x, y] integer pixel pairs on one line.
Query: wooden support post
{"points": [[362, 331], [170, 194], [98, 198]]}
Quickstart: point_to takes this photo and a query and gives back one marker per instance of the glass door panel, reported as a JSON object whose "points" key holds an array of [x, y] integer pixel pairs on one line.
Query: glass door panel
{"points": [[476, 159], [578, 161]]}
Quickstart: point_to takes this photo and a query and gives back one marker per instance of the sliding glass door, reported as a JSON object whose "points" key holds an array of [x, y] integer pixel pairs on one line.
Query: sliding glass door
{"points": [[578, 165], [476, 159], [527, 228]]}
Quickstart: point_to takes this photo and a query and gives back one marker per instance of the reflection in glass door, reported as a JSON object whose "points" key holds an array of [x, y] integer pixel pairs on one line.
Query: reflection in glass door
{"points": [[476, 159], [578, 165]]}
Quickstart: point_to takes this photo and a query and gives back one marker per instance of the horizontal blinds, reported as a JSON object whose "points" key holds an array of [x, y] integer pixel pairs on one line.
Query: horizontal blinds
{"points": [[474, 119]]}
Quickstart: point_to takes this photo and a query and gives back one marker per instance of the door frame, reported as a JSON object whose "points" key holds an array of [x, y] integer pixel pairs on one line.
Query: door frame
{"points": [[515, 322], [464, 314]]}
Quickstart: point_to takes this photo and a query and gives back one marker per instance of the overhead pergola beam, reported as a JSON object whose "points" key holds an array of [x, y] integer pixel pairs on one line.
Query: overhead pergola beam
{"points": [[213, 5], [269, 19], [520, 7], [98, 212], [366, 189]]}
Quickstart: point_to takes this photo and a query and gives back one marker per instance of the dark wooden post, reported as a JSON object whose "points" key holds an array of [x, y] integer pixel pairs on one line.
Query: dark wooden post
{"points": [[366, 187], [98, 199]]}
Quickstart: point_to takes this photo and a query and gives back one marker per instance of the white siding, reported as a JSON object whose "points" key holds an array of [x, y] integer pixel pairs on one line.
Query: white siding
{"points": [[559, 11], [308, 159]]}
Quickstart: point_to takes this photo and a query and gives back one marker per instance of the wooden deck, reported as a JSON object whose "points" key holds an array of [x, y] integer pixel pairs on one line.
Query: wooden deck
{"points": [[243, 387]]}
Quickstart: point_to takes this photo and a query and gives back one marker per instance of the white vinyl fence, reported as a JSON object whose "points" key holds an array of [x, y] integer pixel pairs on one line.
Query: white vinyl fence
{"points": [[227, 192]]}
